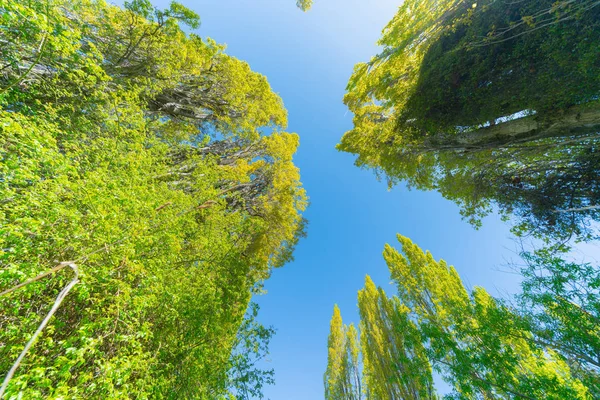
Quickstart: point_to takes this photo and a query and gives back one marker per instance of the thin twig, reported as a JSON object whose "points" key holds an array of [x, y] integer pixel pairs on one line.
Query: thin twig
{"points": [[576, 209]]}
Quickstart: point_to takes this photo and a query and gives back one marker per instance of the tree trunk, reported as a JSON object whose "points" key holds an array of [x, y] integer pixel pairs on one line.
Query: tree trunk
{"points": [[576, 121]]}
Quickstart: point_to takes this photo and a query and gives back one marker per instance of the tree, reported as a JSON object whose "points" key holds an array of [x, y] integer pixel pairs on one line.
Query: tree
{"points": [[395, 363], [479, 345], [560, 301], [245, 378], [490, 104], [137, 152], [304, 5], [342, 377]]}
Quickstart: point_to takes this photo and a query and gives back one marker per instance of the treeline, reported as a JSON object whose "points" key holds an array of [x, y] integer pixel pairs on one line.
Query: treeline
{"points": [[495, 105], [136, 151], [544, 345]]}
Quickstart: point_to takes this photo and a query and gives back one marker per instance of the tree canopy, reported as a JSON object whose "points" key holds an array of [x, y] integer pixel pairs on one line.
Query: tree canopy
{"points": [[560, 302], [304, 5], [491, 104], [160, 166]]}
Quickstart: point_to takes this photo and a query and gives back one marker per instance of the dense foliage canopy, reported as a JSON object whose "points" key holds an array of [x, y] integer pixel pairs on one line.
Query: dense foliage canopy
{"points": [[159, 165], [490, 103]]}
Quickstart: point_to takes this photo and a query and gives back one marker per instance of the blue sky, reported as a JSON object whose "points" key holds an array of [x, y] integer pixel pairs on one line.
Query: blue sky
{"points": [[308, 58]]}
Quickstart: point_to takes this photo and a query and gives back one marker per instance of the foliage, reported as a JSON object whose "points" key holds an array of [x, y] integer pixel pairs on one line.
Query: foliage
{"points": [[490, 104], [481, 346], [304, 5], [245, 378], [342, 377], [561, 302], [112, 129], [395, 363], [478, 344]]}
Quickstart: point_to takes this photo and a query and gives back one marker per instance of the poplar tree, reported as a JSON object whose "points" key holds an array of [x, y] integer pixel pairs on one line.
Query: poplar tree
{"points": [[342, 379], [395, 363], [304, 5]]}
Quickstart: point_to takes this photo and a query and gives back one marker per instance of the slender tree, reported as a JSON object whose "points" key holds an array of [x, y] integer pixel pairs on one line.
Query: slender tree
{"points": [[341, 378], [395, 363]]}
